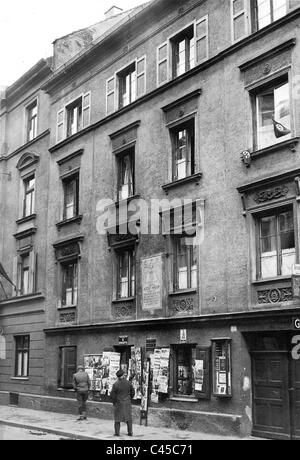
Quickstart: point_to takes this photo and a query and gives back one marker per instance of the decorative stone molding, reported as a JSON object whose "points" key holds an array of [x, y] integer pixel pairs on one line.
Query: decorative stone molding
{"points": [[67, 317], [183, 305], [123, 311], [271, 194], [273, 296]]}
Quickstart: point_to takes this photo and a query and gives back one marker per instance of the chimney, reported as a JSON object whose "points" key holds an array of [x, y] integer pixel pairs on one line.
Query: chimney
{"points": [[113, 11]]}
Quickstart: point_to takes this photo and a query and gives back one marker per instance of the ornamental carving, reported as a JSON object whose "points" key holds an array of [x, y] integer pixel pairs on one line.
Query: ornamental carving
{"points": [[183, 305], [273, 296], [67, 317], [271, 194], [123, 311], [68, 251], [267, 69]]}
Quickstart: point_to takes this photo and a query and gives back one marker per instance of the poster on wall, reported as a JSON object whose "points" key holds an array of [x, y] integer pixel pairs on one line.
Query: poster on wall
{"points": [[145, 387], [135, 371], [102, 371], [152, 277], [160, 363], [199, 375]]}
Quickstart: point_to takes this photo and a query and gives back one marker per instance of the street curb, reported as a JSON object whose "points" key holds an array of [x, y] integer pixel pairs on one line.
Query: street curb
{"points": [[74, 437]]}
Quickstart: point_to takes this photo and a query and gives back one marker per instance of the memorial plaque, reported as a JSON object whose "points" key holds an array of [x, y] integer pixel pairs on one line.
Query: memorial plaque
{"points": [[152, 272]]}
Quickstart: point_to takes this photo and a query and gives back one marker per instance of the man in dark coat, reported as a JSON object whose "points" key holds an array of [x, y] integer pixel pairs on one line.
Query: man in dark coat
{"points": [[82, 385], [121, 395]]}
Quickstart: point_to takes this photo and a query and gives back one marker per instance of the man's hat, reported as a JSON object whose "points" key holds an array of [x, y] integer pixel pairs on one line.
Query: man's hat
{"points": [[120, 373], [80, 367]]}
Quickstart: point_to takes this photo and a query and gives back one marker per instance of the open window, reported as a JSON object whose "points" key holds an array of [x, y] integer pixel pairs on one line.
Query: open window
{"points": [[264, 12], [69, 274], [32, 118], [29, 196], [183, 150], [71, 197], [185, 263], [125, 273], [125, 166]]}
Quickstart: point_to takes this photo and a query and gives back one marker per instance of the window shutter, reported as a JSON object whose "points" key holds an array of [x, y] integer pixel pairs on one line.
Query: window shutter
{"points": [[163, 64], [204, 354], [15, 277], [86, 109], [239, 19], [201, 36], [60, 125], [141, 76], [32, 271], [110, 95]]}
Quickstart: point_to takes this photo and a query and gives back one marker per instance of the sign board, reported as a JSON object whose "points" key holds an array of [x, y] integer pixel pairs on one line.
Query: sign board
{"points": [[296, 323], [183, 335], [152, 283], [123, 340]]}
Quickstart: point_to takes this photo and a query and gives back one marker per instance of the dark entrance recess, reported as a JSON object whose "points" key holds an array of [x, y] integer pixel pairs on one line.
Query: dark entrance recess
{"points": [[276, 386]]}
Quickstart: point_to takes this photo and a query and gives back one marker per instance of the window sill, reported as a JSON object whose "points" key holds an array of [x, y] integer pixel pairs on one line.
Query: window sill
{"points": [[183, 292], [119, 203], [277, 279], [23, 220], [74, 220], [184, 399], [128, 299], [20, 379], [291, 144], [194, 178], [67, 307], [24, 298]]}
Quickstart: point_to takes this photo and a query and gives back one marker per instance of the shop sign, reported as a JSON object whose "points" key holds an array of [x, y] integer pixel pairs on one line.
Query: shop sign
{"points": [[183, 335], [296, 323], [296, 347], [152, 274]]}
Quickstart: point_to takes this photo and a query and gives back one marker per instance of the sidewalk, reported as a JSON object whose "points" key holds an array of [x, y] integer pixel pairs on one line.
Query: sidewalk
{"points": [[93, 428]]}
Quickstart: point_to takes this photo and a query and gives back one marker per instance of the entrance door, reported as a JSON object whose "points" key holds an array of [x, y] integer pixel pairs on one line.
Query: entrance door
{"points": [[271, 404], [295, 399]]}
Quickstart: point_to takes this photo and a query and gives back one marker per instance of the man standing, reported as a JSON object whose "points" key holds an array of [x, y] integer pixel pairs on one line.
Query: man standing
{"points": [[121, 395], [82, 385]]}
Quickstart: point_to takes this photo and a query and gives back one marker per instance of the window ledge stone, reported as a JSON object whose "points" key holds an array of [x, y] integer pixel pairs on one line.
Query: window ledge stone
{"points": [[182, 399], [290, 143], [20, 379], [23, 220], [74, 220], [183, 293], [25, 298], [194, 178], [127, 300], [279, 279]]}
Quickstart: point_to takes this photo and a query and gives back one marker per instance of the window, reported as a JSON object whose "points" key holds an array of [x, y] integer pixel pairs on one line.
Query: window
{"points": [[29, 196], [185, 356], [69, 283], [267, 11], [183, 146], [127, 86], [276, 243], [186, 49], [126, 274], [71, 197], [67, 367], [222, 372], [32, 112], [76, 116], [125, 163], [185, 263], [24, 275], [183, 49], [22, 356], [273, 115], [24, 266]]}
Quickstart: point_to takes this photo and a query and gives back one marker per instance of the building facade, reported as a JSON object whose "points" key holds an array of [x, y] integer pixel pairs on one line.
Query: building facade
{"points": [[168, 215]]}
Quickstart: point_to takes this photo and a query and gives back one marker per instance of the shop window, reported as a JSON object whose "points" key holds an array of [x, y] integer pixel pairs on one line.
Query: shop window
{"points": [[67, 366], [32, 117], [185, 263], [22, 356], [184, 381], [264, 12], [69, 273], [183, 148], [222, 372], [273, 114], [126, 274], [71, 197], [125, 165], [29, 196], [276, 243]]}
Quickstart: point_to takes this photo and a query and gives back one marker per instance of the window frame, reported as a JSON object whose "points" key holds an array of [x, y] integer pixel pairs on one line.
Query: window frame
{"points": [[62, 116], [64, 265], [275, 210], [174, 43], [70, 108], [254, 14], [26, 180], [67, 181], [193, 350], [191, 254], [131, 270], [276, 80], [119, 157], [29, 120], [191, 139], [61, 369], [234, 17], [24, 350]]}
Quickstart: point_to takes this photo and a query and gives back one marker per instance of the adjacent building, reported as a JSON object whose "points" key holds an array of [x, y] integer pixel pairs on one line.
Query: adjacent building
{"points": [[158, 183]]}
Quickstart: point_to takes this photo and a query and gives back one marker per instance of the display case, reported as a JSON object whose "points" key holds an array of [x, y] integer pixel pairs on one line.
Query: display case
{"points": [[221, 367]]}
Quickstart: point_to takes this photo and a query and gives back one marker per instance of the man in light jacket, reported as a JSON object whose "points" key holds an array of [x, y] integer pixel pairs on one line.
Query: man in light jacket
{"points": [[82, 385], [121, 395]]}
